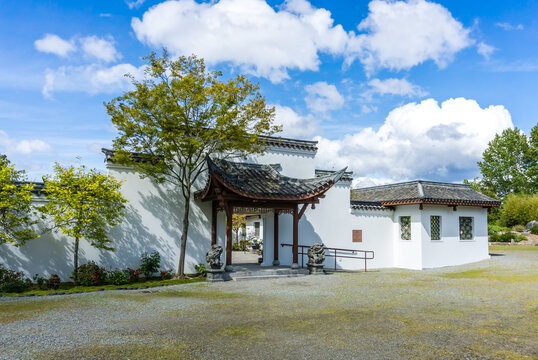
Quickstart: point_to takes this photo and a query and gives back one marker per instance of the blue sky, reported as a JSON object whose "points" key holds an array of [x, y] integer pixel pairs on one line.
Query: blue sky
{"points": [[396, 90]]}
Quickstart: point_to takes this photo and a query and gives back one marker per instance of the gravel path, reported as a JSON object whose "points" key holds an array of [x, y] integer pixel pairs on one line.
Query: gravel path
{"points": [[485, 310]]}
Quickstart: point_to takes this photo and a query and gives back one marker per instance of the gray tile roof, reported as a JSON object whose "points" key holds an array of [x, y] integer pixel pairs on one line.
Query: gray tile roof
{"points": [[309, 145], [368, 205], [420, 191], [264, 182], [348, 175]]}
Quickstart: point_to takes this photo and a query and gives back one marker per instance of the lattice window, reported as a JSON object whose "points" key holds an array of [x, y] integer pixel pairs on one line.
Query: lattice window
{"points": [[405, 227], [466, 228], [435, 227]]}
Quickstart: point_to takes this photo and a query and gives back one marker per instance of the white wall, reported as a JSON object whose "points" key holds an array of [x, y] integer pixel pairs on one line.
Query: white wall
{"points": [[450, 250], [295, 163], [408, 253], [377, 235]]}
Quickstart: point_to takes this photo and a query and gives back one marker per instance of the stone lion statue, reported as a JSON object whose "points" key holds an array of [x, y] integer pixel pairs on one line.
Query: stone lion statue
{"points": [[316, 254], [213, 257]]}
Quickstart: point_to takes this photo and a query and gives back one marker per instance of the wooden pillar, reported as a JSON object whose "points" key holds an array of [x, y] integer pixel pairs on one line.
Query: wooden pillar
{"points": [[213, 222], [275, 239], [229, 213], [295, 247]]}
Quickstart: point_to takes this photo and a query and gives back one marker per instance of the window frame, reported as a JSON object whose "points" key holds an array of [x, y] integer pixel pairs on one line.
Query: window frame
{"points": [[401, 228], [472, 228], [440, 228]]}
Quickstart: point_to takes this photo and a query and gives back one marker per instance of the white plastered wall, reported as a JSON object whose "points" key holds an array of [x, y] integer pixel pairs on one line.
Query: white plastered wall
{"points": [[408, 253], [450, 250]]}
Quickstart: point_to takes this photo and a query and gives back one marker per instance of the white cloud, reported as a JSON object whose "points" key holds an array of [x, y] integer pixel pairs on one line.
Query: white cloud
{"points": [[393, 86], [135, 4], [418, 140], [247, 33], [507, 26], [323, 97], [293, 124], [485, 50], [366, 109], [93, 78], [102, 49], [54, 44], [399, 35], [25, 147]]}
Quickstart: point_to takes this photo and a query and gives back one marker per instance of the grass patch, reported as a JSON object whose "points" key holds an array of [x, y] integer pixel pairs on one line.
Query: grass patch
{"points": [[484, 274], [68, 288], [200, 294], [11, 311], [513, 247], [175, 350], [467, 274]]}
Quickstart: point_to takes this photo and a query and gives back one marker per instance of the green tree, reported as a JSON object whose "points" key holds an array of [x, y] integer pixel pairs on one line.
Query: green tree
{"points": [[507, 164], [238, 222], [83, 204], [16, 208], [179, 114]]}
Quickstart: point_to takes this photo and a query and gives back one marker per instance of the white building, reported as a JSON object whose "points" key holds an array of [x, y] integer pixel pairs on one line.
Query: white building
{"points": [[413, 225]]}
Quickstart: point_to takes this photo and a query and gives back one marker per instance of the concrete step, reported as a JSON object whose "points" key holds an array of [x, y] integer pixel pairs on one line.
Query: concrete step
{"points": [[267, 274]]}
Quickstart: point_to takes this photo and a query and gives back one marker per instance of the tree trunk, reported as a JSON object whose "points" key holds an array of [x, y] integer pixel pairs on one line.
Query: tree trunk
{"points": [[181, 267], [75, 262]]}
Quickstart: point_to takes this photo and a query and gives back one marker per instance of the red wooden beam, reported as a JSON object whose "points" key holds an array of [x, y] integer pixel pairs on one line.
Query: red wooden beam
{"points": [[302, 210]]}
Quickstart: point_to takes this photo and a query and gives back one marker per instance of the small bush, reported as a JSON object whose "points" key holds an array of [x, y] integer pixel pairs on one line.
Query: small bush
{"points": [[167, 274], [494, 237], [150, 263], [134, 275], [200, 268], [41, 282], [534, 230], [494, 229], [54, 282], [518, 228], [235, 246], [519, 209], [520, 238], [118, 277], [91, 274], [13, 282]]}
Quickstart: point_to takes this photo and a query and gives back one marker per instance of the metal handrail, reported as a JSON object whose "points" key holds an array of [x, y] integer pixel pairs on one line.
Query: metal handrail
{"points": [[365, 257]]}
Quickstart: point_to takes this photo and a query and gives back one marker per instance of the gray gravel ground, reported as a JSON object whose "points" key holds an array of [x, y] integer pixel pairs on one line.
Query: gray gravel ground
{"points": [[486, 310]]}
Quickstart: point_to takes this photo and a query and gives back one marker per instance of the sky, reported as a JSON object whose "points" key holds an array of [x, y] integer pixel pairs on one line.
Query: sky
{"points": [[395, 90]]}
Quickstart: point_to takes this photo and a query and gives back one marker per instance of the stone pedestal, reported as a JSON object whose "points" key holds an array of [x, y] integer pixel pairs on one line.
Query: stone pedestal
{"points": [[215, 275], [276, 263], [315, 269], [229, 268], [294, 266]]}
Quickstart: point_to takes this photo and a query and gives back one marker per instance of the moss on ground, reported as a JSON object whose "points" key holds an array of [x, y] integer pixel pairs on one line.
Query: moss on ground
{"points": [[513, 247], [11, 311], [69, 289], [162, 351]]}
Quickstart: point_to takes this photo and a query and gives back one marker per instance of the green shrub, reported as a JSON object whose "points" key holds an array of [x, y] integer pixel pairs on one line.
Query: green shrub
{"points": [[200, 268], [235, 246], [494, 229], [518, 228], [150, 263], [494, 237], [118, 277], [243, 245], [507, 237], [42, 283], [91, 274], [519, 209], [520, 238], [12, 281], [534, 230]]}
